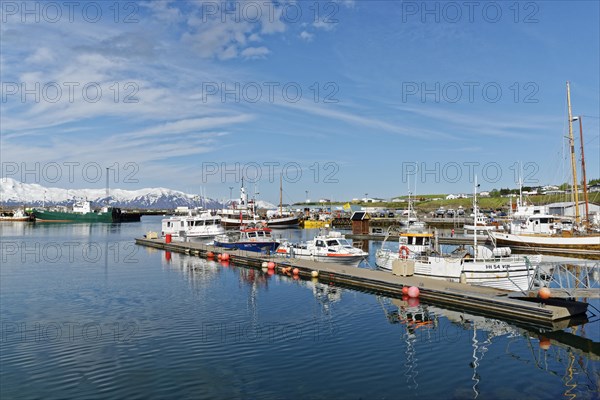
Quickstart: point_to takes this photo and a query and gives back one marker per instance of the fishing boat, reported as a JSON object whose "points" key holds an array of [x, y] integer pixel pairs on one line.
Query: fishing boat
{"points": [[255, 237], [239, 214], [16, 216], [542, 231], [329, 246], [474, 264], [82, 211], [203, 225]]}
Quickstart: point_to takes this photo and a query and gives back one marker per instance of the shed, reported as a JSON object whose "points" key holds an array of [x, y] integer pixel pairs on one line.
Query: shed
{"points": [[360, 222]]}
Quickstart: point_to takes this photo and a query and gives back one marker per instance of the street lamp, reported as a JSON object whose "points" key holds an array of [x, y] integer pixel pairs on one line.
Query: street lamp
{"points": [[306, 191]]}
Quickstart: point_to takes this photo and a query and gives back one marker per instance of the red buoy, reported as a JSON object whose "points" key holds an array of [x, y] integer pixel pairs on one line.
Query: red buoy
{"points": [[413, 291], [168, 238], [271, 265], [225, 257], [295, 271], [210, 254], [405, 290]]}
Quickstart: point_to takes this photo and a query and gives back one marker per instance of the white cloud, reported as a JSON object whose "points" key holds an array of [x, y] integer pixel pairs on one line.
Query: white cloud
{"points": [[306, 36], [255, 52]]}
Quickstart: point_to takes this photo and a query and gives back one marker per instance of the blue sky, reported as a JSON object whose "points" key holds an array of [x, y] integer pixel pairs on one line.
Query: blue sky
{"points": [[353, 95]]}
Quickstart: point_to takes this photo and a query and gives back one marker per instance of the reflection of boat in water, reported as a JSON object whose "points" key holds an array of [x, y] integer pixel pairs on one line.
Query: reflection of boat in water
{"points": [[327, 247]]}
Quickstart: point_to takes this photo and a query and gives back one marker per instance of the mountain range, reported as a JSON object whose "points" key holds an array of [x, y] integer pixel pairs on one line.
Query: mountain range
{"points": [[15, 193]]}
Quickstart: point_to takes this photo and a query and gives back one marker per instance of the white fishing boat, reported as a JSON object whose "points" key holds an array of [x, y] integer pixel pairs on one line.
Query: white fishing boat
{"points": [[16, 216], [326, 247], [203, 225], [474, 264]]}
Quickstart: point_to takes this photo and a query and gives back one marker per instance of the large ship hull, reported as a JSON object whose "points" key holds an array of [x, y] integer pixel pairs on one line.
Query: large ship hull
{"points": [[556, 242], [113, 215]]}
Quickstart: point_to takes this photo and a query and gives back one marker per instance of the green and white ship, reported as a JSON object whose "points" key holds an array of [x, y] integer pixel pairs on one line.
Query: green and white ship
{"points": [[82, 212]]}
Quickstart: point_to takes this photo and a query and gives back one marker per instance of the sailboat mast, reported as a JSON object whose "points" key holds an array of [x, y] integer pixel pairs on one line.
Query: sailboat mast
{"points": [[475, 219], [573, 163], [280, 195], [585, 191]]}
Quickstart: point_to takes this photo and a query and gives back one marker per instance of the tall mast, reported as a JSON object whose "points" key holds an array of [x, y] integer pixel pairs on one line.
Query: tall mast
{"points": [[281, 195], [573, 163], [585, 192], [475, 219]]}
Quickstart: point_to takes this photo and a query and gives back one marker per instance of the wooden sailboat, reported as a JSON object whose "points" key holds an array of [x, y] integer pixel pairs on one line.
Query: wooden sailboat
{"points": [[579, 238], [283, 219]]}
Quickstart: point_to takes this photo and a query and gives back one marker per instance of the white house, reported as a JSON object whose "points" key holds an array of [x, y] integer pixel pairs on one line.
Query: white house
{"points": [[451, 197]]}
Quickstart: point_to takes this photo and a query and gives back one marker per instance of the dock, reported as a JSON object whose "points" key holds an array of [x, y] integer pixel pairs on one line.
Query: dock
{"points": [[479, 299]]}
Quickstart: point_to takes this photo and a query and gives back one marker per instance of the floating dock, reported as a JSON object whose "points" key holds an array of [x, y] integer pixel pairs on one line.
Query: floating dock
{"points": [[480, 299]]}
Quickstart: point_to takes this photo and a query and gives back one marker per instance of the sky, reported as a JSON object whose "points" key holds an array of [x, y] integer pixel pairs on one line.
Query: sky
{"points": [[341, 99]]}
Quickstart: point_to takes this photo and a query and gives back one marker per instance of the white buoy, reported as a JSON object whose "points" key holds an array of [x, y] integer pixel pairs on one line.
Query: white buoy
{"points": [[314, 274]]}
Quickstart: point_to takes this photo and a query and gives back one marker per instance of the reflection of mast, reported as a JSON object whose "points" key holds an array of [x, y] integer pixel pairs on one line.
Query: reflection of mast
{"points": [[573, 163], [475, 363]]}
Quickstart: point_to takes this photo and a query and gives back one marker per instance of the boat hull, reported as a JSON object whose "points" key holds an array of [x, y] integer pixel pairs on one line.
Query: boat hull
{"points": [[113, 215], [257, 247], [344, 259], [557, 242], [285, 222]]}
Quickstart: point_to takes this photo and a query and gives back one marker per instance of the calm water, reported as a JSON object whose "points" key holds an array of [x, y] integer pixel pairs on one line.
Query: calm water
{"points": [[87, 314]]}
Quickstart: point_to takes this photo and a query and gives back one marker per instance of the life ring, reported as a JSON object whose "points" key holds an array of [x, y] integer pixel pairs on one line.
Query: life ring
{"points": [[404, 252]]}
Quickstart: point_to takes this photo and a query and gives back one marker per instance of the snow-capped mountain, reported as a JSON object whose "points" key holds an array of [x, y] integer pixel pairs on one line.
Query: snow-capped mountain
{"points": [[15, 193]]}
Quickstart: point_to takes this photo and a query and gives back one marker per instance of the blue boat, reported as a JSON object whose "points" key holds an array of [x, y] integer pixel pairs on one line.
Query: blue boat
{"points": [[256, 239]]}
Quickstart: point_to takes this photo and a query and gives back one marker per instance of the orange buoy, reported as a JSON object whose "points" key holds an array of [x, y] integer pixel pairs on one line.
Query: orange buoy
{"points": [[405, 290], [413, 291], [270, 265], [544, 293], [210, 254], [544, 343], [225, 257], [295, 271]]}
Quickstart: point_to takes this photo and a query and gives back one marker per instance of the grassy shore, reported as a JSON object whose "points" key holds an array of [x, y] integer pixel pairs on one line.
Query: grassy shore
{"points": [[424, 203]]}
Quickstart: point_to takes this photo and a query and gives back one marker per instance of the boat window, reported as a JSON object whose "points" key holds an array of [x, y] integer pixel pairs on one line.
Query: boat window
{"points": [[320, 243], [332, 243], [209, 222], [182, 223]]}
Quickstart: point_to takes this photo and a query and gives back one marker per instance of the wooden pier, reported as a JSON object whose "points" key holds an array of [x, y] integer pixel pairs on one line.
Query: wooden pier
{"points": [[490, 301]]}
